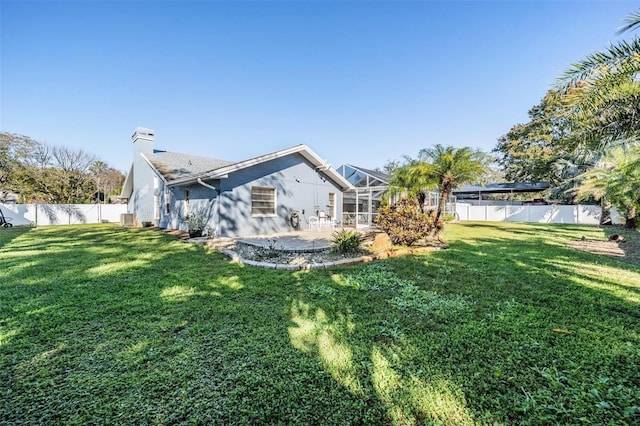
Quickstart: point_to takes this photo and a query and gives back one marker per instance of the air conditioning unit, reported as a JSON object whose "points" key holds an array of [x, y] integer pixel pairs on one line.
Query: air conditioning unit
{"points": [[126, 219]]}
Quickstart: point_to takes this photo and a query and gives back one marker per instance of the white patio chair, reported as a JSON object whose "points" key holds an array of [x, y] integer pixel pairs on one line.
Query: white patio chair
{"points": [[325, 222], [314, 223]]}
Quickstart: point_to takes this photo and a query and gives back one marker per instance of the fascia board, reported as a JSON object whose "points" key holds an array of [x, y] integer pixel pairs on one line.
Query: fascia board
{"points": [[127, 186]]}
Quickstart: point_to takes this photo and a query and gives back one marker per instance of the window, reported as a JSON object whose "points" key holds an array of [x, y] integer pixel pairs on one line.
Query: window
{"points": [[332, 205], [167, 201], [186, 203], [263, 201]]}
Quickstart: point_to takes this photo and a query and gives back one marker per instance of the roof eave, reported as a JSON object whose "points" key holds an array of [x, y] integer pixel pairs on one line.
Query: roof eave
{"points": [[305, 151]]}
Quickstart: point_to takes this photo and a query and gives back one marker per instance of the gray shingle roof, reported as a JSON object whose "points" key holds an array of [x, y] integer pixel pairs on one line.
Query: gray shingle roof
{"points": [[173, 165]]}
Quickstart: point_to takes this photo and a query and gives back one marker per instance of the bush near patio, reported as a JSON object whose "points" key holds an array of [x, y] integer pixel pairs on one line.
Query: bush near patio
{"points": [[404, 222], [346, 241], [102, 324]]}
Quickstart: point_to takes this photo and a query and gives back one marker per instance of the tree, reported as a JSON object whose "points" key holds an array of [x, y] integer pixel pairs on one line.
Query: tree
{"points": [[389, 167], [14, 151], [615, 178], [51, 174], [450, 167], [442, 168], [107, 180], [58, 174], [605, 110], [594, 108], [528, 152], [411, 180]]}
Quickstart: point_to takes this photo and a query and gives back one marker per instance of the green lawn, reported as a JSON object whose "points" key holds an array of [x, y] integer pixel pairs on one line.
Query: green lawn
{"points": [[106, 325]]}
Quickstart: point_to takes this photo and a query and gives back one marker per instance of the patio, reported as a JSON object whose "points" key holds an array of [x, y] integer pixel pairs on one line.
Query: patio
{"points": [[300, 241]]}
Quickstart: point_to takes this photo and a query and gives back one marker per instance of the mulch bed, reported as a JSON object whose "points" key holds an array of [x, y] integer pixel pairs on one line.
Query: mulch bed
{"points": [[627, 250]]}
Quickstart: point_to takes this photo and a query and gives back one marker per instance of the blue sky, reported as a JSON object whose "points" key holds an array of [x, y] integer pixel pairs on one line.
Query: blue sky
{"points": [[360, 82]]}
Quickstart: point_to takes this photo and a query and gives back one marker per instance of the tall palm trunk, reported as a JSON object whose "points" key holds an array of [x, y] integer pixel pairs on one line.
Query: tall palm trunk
{"points": [[445, 192], [422, 197]]}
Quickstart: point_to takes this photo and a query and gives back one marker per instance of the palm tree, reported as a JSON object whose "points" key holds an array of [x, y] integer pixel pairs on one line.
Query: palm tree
{"points": [[602, 105], [615, 178], [602, 93], [450, 167], [411, 180]]}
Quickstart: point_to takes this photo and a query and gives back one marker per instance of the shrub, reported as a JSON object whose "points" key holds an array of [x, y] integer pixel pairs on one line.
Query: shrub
{"points": [[448, 218], [347, 241], [404, 222], [196, 221]]}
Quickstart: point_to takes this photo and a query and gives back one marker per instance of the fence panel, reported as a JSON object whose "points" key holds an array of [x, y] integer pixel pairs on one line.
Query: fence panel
{"points": [[62, 214], [576, 214]]}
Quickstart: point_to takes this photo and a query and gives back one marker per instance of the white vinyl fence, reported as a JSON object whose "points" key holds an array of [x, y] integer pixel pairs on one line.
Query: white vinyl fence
{"points": [[575, 214], [72, 214], [61, 214]]}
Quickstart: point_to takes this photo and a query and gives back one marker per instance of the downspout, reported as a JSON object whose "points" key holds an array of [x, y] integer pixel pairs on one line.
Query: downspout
{"points": [[201, 182], [206, 185]]}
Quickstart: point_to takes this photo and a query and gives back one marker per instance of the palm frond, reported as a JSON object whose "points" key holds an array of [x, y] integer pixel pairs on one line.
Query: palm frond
{"points": [[622, 59], [632, 21]]}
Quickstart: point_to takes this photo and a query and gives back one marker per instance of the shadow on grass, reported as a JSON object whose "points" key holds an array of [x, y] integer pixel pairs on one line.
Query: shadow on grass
{"points": [[103, 324], [9, 234], [547, 334]]}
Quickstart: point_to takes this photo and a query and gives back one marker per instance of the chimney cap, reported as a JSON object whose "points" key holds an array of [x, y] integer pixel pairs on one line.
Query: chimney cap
{"points": [[143, 131]]}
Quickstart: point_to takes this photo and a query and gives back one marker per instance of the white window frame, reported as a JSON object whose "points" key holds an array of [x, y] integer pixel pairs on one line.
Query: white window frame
{"points": [[274, 201], [332, 205]]}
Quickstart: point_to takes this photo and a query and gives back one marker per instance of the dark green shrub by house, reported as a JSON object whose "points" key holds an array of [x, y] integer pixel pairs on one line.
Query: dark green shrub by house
{"points": [[404, 222], [347, 241]]}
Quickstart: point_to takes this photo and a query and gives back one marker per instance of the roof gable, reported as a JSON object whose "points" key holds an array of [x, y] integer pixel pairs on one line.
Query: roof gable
{"points": [[305, 151]]}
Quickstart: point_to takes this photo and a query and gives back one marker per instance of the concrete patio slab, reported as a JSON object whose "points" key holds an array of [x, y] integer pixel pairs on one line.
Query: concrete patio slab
{"points": [[301, 241]]}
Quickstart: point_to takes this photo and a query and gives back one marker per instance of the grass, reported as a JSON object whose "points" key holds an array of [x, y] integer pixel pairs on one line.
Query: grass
{"points": [[105, 325]]}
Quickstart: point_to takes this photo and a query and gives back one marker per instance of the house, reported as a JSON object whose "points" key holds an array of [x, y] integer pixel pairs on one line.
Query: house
{"points": [[275, 192]]}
